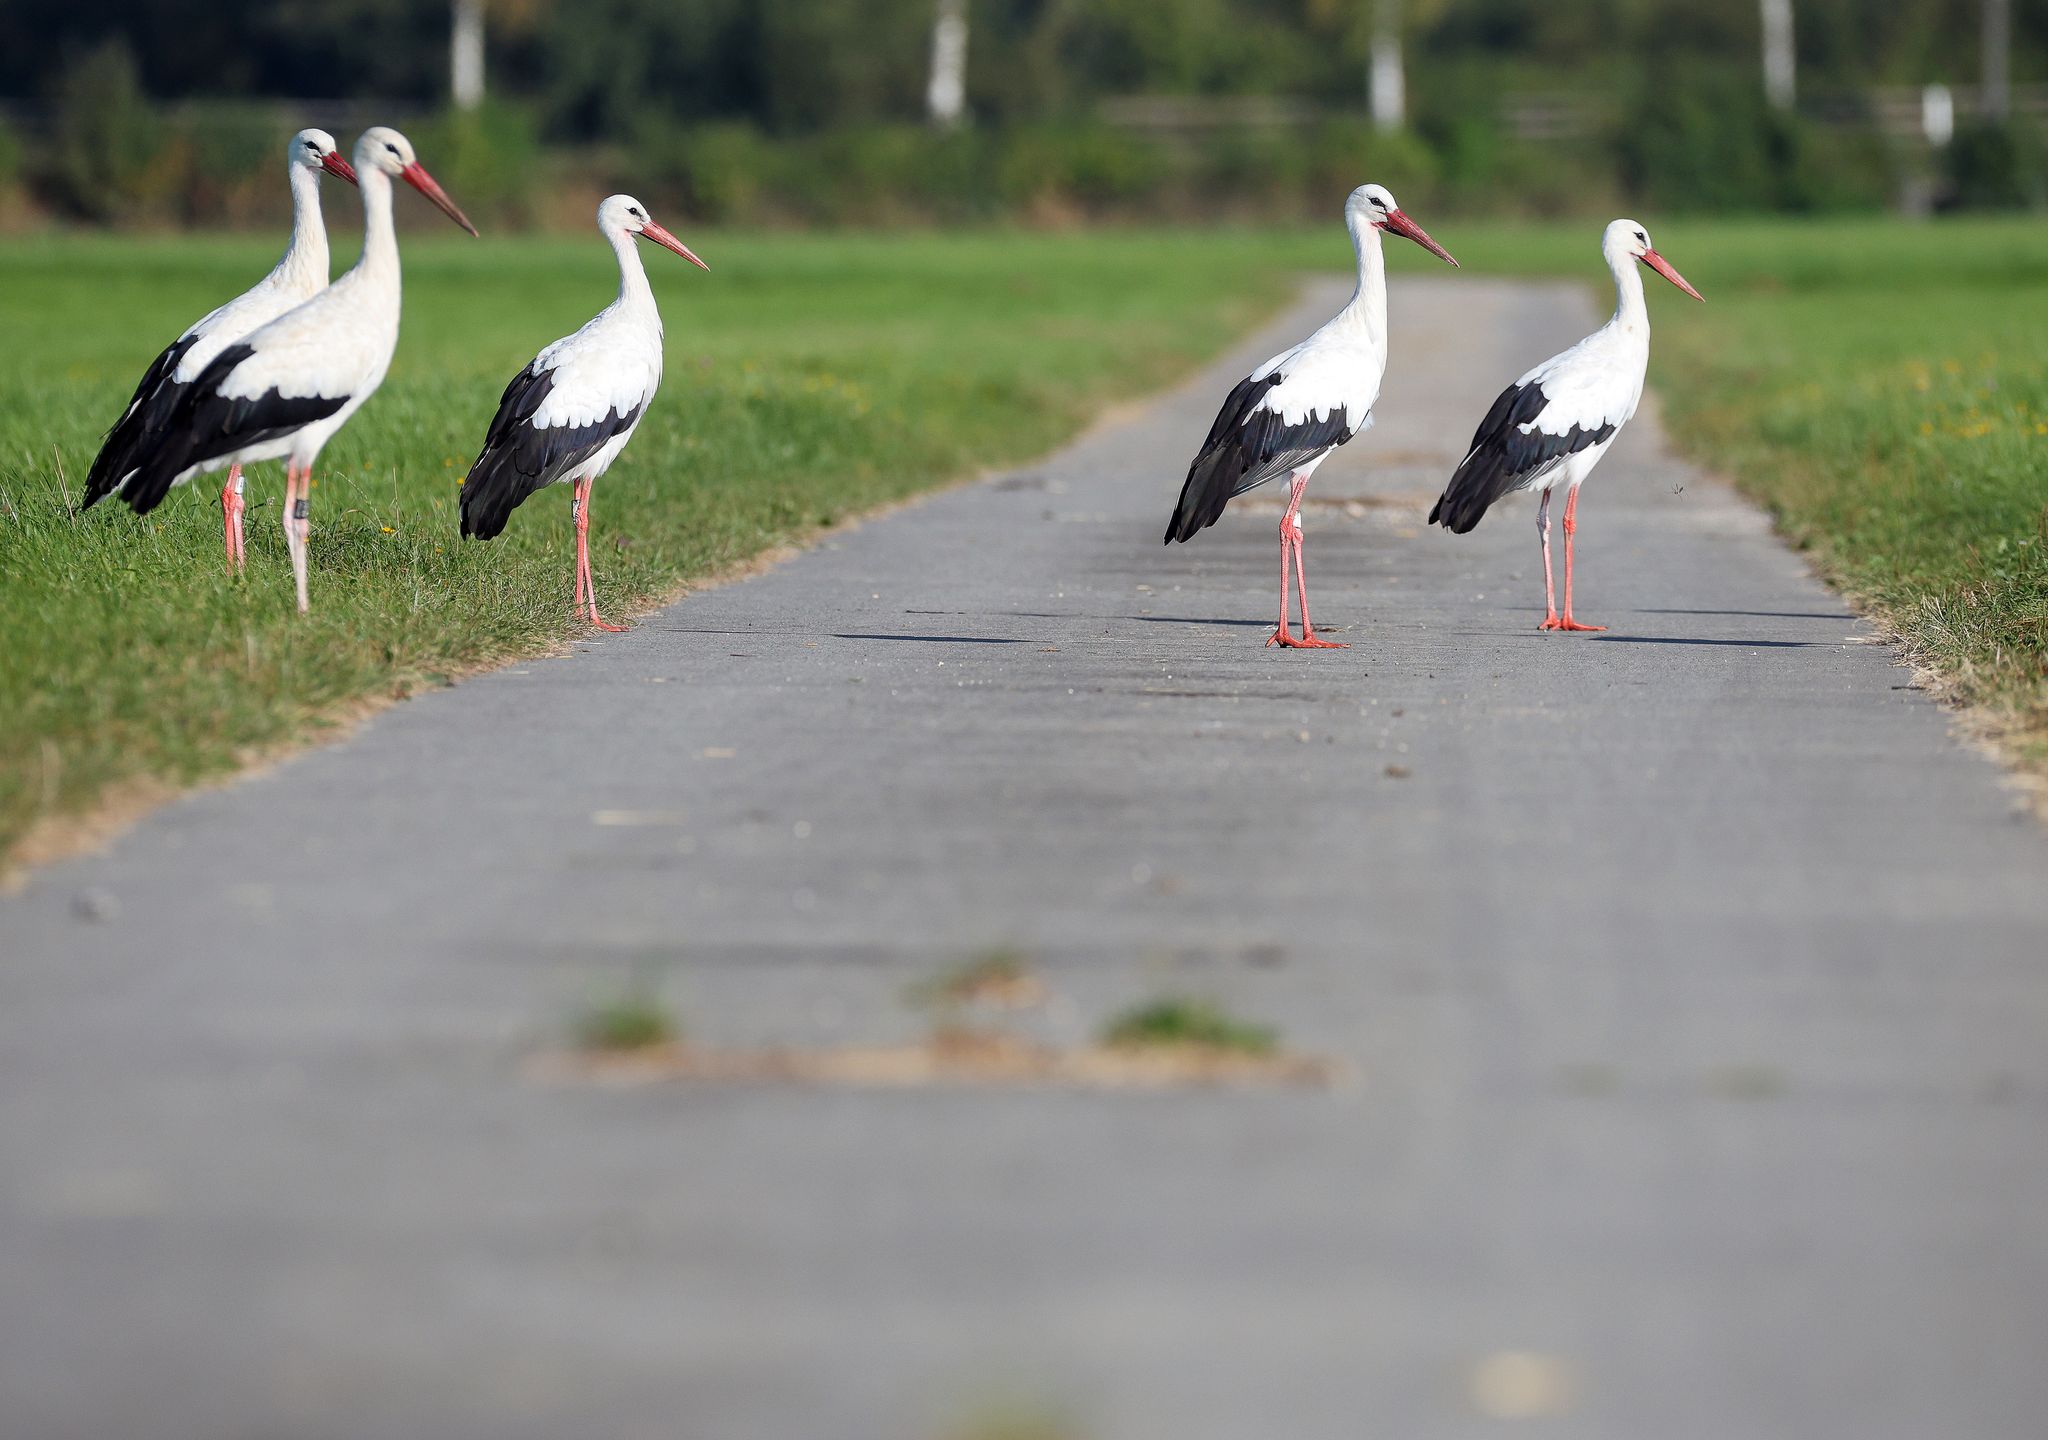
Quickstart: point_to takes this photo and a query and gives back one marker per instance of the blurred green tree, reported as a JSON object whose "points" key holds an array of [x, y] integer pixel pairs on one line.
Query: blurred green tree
{"points": [[105, 134]]}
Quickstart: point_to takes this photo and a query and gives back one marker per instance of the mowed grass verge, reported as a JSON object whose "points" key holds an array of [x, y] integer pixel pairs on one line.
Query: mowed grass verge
{"points": [[1885, 392], [808, 379], [1882, 387]]}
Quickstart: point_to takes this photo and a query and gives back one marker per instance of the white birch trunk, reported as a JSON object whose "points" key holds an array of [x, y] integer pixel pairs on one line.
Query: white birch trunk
{"points": [[1780, 65], [466, 54], [1389, 79], [946, 96]]}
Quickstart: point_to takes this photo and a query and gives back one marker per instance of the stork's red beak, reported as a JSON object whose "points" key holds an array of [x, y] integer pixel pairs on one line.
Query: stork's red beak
{"points": [[339, 168], [1663, 267], [1400, 224], [416, 176], [661, 237]]}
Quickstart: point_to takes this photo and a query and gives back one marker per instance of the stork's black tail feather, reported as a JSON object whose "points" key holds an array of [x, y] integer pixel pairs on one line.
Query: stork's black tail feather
{"points": [[1247, 446], [1510, 451], [1203, 496], [492, 490], [497, 483], [520, 457], [1474, 488], [205, 425], [141, 423], [1219, 465], [1486, 474], [151, 480]]}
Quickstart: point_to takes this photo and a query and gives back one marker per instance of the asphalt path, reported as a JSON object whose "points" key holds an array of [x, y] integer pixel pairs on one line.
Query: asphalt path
{"points": [[1692, 979]]}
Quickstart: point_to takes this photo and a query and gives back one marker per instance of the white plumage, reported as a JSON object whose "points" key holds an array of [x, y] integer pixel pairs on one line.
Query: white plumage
{"points": [[1552, 426], [1289, 414], [1322, 376], [283, 390], [301, 274], [297, 277], [570, 412]]}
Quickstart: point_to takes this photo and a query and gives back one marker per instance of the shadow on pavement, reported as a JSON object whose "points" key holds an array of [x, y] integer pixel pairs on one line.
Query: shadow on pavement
{"points": [[1691, 640], [935, 639], [1761, 614]]}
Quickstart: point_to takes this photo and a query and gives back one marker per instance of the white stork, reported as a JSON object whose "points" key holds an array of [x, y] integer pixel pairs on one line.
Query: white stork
{"points": [[1551, 427], [285, 389], [299, 276], [1289, 414], [569, 413]]}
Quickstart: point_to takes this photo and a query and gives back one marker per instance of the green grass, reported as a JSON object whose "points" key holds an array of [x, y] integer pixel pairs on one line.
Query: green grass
{"points": [[1174, 1021], [1885, 393], [632, 1020], [1014, 1420], [808, 378], [1883, 389]]}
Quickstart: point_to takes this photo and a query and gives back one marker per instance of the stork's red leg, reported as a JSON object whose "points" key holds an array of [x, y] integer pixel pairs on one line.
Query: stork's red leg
{"points": [[582, 529], [586, 589], [231, 507], [1550, 620], [298, 485], [1284, 635], [1571, 526], [1290, 539], [1308, 640]]}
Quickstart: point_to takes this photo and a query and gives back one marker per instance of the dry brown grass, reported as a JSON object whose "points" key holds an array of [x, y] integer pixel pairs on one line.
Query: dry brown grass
{"points": [[951, 1056]]}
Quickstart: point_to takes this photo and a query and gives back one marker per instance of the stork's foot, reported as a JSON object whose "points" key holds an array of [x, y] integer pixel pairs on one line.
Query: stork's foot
{"points": [[1566, 622], [603, 624], [1308, 641]]}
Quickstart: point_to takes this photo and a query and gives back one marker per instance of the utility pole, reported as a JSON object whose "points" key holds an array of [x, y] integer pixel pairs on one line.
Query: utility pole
{"points": [[1389, 82], [946, 95], [466, 54], [1780, 84], [1997, 86]]}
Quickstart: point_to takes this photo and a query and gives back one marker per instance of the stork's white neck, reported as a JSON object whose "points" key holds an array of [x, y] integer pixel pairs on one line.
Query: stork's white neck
{"points": [[635, 294], [1367, 310], [378, 264], [305, 262], [1631, 314]]}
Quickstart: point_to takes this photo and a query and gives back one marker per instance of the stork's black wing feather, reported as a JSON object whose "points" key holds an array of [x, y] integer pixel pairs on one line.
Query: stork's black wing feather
{"points": [[205, 425], [1505, 457], [1247, 446], [154, 401], [520, 457]]}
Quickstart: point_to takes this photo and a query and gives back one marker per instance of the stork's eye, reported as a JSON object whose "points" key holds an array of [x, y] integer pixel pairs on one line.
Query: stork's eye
{"points": [[389, 146], [1642, 237]]}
